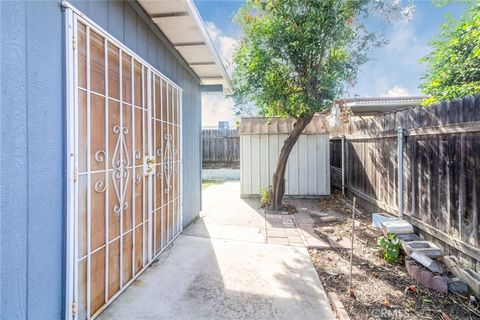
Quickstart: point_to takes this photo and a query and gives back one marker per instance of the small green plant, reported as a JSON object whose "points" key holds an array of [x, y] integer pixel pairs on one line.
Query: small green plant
{"points": [[390, 246], [265, 197]]}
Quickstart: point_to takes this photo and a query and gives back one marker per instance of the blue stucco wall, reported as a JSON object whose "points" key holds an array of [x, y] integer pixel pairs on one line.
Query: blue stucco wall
{"points": [[32, 143]]}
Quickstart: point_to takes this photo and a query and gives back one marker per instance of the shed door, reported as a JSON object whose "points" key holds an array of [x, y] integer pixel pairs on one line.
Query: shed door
{"points": [[126, 194]]}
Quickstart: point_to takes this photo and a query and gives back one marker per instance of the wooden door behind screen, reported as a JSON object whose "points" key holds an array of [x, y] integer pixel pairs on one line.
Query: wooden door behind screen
{"points": [[126, 114], [166, 136]]}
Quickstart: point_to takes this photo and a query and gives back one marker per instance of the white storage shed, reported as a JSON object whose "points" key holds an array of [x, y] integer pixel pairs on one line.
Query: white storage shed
{"points": [[308, 168]]}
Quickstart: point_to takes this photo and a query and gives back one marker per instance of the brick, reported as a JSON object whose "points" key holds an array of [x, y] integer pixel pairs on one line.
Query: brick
{"points": [[424, 277], [276, 232], [292, 232], [439, 284], [275, 223], [281, 241], [306, 220], [295, 239], [308, 229], [413, 270], [337, 306]]}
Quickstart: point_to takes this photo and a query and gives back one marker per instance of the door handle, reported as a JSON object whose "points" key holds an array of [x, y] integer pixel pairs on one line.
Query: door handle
{"points": [[149, 165]]}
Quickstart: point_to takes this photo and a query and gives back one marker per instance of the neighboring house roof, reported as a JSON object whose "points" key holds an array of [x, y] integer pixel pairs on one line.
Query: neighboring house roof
{"points": [[377, 105], [261, 125], [183, 26]]}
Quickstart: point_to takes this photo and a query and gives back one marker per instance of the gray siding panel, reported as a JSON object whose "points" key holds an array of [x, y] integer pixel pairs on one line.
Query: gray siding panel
{"points": [[45, 161], [32, 149], [13, 155]]}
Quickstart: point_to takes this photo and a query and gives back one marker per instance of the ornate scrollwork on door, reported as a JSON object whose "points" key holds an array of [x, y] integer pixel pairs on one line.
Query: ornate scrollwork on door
{"points": [[168, 162], [120, 162]]}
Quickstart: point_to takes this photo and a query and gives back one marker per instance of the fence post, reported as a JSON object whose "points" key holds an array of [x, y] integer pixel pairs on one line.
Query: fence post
{"points": [[343, 164], [401, 136]]}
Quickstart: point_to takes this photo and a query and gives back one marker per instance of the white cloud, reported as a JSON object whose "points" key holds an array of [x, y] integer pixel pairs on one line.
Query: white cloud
{"points": [[225, 44], [405, 45], [216, 108], [397, 91]]}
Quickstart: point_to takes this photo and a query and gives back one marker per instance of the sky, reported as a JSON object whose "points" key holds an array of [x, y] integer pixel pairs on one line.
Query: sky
{"points": [[393, 70]]}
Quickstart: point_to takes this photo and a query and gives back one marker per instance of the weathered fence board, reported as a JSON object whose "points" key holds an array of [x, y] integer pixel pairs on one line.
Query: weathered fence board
{"points": [[221, 148], [441, 169]]}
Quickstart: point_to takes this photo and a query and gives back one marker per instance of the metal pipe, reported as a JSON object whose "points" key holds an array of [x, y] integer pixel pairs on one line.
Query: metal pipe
{"points": [[400, 138], [343, 164]]}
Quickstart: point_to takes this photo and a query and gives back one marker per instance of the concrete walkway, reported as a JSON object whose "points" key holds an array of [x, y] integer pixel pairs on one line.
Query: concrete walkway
{"points": [[222, 268]]}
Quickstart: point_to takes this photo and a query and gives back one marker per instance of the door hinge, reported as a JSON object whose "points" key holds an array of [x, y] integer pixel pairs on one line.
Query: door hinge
{"points": [[74, 310], [75, 174], [74, 43]]}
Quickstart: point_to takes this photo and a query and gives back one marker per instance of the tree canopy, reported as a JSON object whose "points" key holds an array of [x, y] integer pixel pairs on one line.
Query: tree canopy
{"points": [[294, 59], [296, 55], [454, 64]]}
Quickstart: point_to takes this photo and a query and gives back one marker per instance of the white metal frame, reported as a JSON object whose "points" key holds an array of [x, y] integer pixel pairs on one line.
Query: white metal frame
{"points": [[72, 16]]}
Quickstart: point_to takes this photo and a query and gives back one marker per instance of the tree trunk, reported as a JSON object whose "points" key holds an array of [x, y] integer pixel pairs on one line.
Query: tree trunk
{"points": [[278, 185]]}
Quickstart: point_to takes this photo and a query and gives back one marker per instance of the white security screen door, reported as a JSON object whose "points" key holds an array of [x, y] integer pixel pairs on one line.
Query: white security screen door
{"points": [[124, 192]]}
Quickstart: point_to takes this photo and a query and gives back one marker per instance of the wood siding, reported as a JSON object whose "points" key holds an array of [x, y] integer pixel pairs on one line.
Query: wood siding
{"points": [[308, 166], [441, 169]]}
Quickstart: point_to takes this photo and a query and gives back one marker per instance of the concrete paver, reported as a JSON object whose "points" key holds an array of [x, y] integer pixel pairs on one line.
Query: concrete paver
{"points": [[222, 267]]}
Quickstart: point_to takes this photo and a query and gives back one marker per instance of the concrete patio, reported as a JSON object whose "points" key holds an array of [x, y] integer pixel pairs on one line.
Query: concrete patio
{"points": [[221, 267]]}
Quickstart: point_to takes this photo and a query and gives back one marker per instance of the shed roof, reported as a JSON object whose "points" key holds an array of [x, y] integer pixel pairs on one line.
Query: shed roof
{"points": [[262, 125], [376, 105], [181, 23]]}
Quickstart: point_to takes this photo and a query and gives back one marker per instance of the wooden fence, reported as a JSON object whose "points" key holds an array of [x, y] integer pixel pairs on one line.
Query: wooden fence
{"points": [[220, 148], [441, 169]]}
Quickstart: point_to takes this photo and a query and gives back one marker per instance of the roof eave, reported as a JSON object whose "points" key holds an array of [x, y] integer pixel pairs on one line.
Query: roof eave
{"points": [[201, 25]]}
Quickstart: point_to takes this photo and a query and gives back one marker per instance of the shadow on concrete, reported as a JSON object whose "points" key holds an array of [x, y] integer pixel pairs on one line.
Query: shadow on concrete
{"points": [[222, 268]]}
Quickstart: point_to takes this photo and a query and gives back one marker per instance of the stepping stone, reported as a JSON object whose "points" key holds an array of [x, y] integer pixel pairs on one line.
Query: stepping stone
{"points": [[328, 219], [344, 243], [378, 218], [276, 232], [426, 262], [305, 220], [457, 285], [319, 213], [295, 239], [316, 243], [425, 247], [274, 223], [409, 237], [292, 232], [282, 241], [307, 228], [396, 226]]}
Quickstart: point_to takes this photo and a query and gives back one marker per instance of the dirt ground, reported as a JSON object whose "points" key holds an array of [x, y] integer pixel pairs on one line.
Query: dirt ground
{"points": [[379, 287]]}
